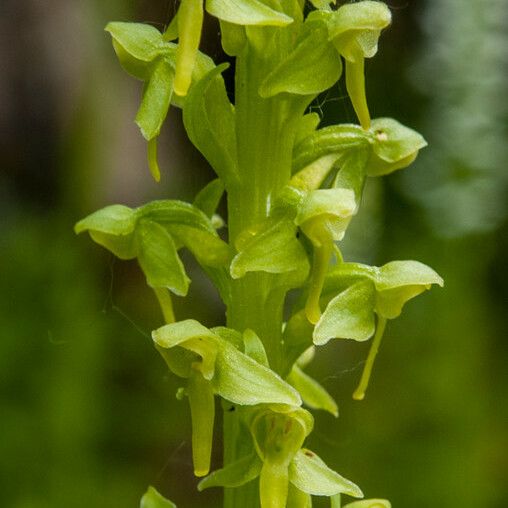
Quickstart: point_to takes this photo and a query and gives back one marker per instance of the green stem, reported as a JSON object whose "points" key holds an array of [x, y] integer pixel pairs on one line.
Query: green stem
{"points": [[359, 393], [265, 134]]}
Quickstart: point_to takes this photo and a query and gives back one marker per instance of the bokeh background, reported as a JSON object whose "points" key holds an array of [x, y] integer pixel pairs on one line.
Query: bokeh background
{"points": [[88, 416]]}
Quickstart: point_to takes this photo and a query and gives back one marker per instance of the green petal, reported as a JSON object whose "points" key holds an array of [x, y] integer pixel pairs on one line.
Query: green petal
{"points": [[236, 474], [247, 12], [159, 260], [355, 28], [298, 498], [309, 69], [152, 499], [370, 503], [156, 99], [202, 404], [209, 119], [274, 249], [310, 474], [253, 347], [394, 146], [190, 22], [233, 37], [350, 315], [136, 45], [175, 334], [312, 393], [208, 198], [273, 485], [399, 281]]}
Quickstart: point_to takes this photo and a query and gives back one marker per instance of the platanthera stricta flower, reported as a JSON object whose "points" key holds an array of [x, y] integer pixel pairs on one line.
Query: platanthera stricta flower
{"points": [[214, 366], [288, 473]]}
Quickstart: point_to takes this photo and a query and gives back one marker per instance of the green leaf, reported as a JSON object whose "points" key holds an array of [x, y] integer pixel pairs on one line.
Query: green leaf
{"points": [[274, 249], [159, 260], [394, 146], [310, 474], [209, 119], [312, 393], [309, 69], [208, 198], [352, 172], [399, 281], [254, 348], [242, 380], [247, 12], [190, 22], [350, 315], [156, 99], [370, 503], [152, 499], [236, 474]]}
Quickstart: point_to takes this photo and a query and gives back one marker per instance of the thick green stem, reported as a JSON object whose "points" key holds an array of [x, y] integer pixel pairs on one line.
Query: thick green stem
{"points": [[265, 133]]}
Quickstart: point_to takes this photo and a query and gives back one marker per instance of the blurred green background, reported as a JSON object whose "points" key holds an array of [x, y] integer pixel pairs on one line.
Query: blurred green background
{"points": [[88, 416]]}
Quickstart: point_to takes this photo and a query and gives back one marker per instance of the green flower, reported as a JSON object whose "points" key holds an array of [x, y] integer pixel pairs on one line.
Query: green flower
{"points": [[212, 364], [364, 292], [288, 474]]}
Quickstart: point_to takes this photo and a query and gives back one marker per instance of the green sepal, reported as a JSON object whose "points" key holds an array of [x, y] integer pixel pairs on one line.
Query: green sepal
{"points": [[312, 393], [236, 474], [208, 198], [399, 281], [369, 503], [242, 380], [189, 226], [352, 173], [253, 347], [209, 119], [350, 315], [310, 474], [273, 249], [247, 12], [115, 220], [233, 37], [190, 22], [159, 259], [137, 45], [297, 338], [307, 125], [309, 69], [355, 28], [152, 499], [156, 100], [394, 146], [325, 213]]}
